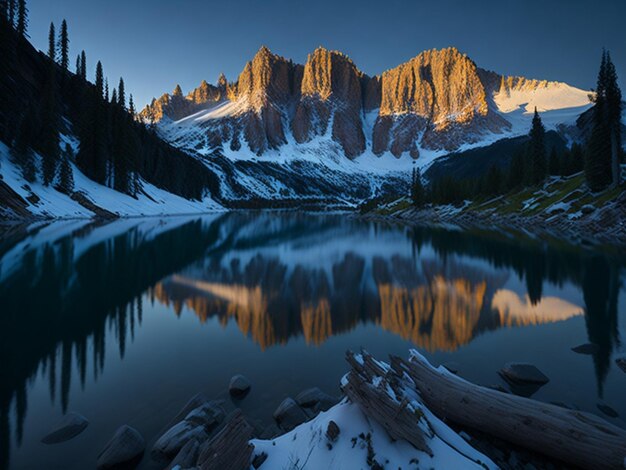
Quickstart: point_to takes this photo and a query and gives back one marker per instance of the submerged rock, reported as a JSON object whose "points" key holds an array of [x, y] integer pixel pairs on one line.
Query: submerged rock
{"points": [[587, 348], [315, 398], [126, 447], [196, 401], [197, 425], [621, 363], [288, 414], [174, 439], [70, 426], [239, 386], [518, 372], [187, 457]]}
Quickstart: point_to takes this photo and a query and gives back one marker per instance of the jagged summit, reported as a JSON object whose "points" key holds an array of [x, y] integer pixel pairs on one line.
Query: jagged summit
{"points": [[437, 101]]}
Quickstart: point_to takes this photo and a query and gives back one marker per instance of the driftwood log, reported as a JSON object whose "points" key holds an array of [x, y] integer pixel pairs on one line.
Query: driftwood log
{"points": [[230, 447], [399, 421], [574, 437]]}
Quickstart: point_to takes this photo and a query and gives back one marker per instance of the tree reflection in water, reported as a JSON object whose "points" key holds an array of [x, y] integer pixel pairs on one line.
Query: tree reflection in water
{"points": [[61, 295]]}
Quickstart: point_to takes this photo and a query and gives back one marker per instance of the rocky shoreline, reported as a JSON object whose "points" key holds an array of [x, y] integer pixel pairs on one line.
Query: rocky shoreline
{"points": [[378, 401], [607, 227]]}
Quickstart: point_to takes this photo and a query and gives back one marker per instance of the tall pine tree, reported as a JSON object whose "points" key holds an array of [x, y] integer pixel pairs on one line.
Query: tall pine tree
{"points": [[52, 47], [22, 18], [66, 176], [50, 120], [131, 106], [99, 79], [121, 94], [537, 149], [598, 155], [64, 47], [83, 65], [614, 119], [418, 194]]}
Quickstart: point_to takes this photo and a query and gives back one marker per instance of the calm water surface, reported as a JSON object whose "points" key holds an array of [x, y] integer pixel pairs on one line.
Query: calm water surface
{"points": [[123, 322]]}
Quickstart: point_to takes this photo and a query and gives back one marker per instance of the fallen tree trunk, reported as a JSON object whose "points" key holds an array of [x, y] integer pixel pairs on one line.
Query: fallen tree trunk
{"points": [[397, 419], [574, 437], [230, 448]]}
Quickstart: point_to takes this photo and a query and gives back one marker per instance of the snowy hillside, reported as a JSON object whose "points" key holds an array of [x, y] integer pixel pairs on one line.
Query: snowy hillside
{"points": [[89, 198]]}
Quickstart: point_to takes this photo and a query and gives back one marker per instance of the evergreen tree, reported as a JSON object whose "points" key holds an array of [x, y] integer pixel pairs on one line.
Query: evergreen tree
{"points": [[50, 127], [22, 18], [83, 65], [52, 51], [114, 96], [418, 195], [22, 149], [614, 117], [66, 176], [131, 106], [598, 154], [577, 158], [78, 66], [493, 182], [554, 163], [64, 47], [99, 79], [517, 171], [106, 90], [121, 94], [537, 148]]}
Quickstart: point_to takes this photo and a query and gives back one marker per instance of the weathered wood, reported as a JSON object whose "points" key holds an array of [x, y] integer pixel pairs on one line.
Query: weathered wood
{"points": [[230, 447], [397, 419], [574, 437]]}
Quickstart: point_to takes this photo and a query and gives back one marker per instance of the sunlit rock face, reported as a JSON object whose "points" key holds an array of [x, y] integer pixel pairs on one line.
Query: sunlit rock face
{"points": [[176, 106], [331, 87], [436, 102]]}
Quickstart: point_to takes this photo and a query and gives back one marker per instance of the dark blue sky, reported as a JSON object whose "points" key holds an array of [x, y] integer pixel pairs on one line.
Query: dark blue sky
{"points": [[155, 44]]}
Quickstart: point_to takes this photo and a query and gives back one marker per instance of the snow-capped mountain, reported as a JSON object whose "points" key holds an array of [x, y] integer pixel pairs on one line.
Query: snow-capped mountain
{"points": [[438, 102]]}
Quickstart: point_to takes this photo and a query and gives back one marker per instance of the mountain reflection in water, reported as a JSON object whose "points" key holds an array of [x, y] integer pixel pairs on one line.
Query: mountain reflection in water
{"points": [[277, 276]]}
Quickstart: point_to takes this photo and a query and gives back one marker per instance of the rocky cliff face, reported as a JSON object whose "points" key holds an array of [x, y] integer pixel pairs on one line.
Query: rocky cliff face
{"points": [[176, 106], [331, 88], [437, 101]]}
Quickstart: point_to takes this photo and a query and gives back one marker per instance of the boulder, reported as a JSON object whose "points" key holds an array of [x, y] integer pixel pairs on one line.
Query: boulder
{"points": [[621, 363], [315, 398], [239, 386], [332, 431], [523, 373], [126, 447], [288, 415], [70, 426], [208, 415], [196, 401], [587, 348], [187, 457], [175, 438]]}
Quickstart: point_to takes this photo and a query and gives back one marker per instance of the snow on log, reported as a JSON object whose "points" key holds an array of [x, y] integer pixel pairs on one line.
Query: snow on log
{"points": [[572, 436], [367, 385]]}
